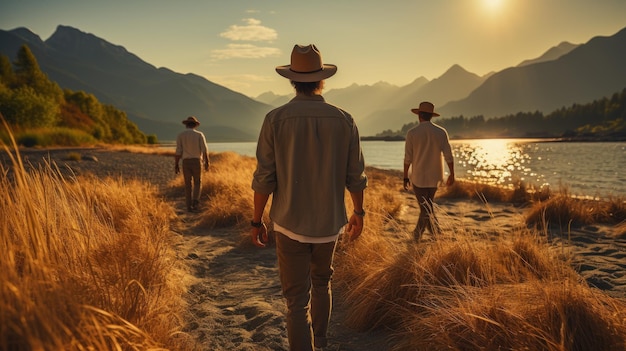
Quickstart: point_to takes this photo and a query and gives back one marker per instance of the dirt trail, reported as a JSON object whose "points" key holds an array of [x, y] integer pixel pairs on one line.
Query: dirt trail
{"points": [[234, 296]]}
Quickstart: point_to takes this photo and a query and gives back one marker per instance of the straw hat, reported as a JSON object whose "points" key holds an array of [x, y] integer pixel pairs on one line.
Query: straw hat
{"points": [[427, 107], [306, 65], [191, 120]]}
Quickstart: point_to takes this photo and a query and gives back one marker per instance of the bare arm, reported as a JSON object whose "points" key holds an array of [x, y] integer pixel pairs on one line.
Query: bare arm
{"points": [[355, 224], [259, 234], [176, 166], [406, 181], [205, 157], [451, 179]]}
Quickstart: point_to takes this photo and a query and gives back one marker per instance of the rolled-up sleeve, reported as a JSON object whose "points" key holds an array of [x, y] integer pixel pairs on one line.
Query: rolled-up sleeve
{"points": [[264, 179], [356, 179], [446, 149]]}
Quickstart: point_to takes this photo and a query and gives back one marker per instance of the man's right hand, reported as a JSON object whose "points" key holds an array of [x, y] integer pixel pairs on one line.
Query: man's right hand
{"points": [[176, 169], [406, 183], [259, 235]]}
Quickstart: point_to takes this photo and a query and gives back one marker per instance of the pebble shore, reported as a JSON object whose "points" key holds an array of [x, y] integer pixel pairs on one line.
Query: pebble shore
{"points": [[158, 169]]}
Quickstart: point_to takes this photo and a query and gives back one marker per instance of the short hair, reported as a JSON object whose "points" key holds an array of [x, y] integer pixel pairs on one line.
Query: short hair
{"points": [[427, 116], [307, 88]]}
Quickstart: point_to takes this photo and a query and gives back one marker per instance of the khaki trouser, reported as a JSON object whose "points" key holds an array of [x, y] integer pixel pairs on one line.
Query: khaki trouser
{"points": [[427, 217], [305, 273], [191, 170]]}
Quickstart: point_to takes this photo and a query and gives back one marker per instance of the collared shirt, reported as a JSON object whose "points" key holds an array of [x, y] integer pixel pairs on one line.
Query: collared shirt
{"points": [[308, 153], [190, 144], [423, 148]]}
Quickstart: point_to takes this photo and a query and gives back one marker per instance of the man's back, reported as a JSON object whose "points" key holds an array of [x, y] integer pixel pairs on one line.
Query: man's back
{"points": [[190, 144], [424, 147], [316, 150]]}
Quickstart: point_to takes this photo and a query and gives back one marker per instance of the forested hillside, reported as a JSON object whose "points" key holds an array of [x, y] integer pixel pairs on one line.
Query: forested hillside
{"points": [[40, 113], [603, 119]]}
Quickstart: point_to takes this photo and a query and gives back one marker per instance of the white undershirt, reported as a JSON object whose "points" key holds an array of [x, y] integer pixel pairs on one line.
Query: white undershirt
{"points": [[306, 239]]}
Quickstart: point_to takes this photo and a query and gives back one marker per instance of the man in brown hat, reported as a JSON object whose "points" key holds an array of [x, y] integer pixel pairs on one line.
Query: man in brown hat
{"points": [[191, 148], [424, 146], [308, 153]]}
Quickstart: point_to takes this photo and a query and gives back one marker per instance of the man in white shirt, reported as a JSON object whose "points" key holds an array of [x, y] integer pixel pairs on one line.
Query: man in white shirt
{"points": [[424, 146], [191, 148]]}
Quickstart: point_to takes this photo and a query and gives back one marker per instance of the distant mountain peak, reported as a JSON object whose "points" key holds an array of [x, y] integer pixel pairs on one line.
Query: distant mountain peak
{"points": [[26, 34], [72, 42], [456, 72], [552, 54], [456, 67], [66, 37]]}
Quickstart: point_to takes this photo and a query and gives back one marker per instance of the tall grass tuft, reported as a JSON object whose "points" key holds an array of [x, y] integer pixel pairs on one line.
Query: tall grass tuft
{"points": [[226, 191], [527, 316], [87, 265], [564, 211], [519, 193]]}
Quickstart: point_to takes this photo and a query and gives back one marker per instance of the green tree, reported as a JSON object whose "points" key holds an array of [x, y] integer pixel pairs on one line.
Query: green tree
{"points": [[89, 105], [7, 76], [24, 107], [27, 72]]}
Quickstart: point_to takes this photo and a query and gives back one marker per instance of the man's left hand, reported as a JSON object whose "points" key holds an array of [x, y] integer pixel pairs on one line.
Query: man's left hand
{"points": [[354, 227], [450, 180]]}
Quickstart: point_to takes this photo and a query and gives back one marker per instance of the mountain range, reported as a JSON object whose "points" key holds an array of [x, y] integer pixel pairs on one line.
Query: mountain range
{"points": [[564, 75], [157, 99]]}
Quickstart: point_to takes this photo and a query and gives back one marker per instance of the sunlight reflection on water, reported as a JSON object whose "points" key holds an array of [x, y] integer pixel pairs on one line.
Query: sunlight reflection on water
{"points": [[493, 161]]}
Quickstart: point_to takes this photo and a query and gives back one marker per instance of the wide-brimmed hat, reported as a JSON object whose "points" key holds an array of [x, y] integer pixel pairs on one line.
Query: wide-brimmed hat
{"points": [[191, 120], [427, 107], [306, 65]]}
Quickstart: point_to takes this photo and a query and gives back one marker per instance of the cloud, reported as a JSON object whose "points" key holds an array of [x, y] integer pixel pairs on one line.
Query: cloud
{"points": [[252, 31], [246, 51], [239, 82]]}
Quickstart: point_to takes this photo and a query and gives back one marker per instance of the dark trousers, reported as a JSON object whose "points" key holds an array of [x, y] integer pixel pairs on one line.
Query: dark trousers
{"points": [[191, 173], [427, 219], [305, 272]]}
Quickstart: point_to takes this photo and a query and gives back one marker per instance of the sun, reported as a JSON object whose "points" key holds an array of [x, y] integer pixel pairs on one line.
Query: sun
{"points": [[493, 6]]}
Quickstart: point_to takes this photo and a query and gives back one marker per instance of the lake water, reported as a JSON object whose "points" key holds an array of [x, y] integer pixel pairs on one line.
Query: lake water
{"points": [[588, 169]]}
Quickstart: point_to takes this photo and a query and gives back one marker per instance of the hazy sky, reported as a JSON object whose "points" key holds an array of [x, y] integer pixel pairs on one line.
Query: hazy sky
{"points": [[238, 43]]}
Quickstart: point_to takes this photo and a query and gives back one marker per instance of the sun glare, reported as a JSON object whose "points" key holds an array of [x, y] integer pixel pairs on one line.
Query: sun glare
{"points": [[493, 6], [493, 161]]}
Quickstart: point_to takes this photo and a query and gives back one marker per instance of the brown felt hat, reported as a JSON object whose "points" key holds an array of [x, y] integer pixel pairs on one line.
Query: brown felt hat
{"points": [[427, 107], [306, 65], [191, 120]]}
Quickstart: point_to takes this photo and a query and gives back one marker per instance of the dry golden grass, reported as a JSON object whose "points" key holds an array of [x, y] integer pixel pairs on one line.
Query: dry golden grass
{"points": [[470, 291], [520, 193], [565, 211], [140, 149], [524, 316], [87, 264], [227, 196], [466, 291]]}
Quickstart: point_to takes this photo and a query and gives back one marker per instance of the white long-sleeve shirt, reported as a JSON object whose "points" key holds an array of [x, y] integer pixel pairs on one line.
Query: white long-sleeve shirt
{"points": [[424, 146], [190, 144]]}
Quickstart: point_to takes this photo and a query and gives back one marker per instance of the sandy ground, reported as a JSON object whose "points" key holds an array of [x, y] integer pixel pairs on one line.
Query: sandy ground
{"points": [[234, 292]]}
